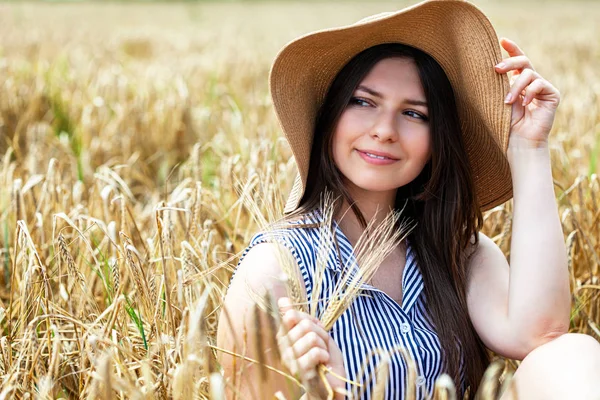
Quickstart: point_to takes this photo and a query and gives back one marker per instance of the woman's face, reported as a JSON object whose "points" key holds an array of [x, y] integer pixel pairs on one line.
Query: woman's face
{"points": [[387, 117]]}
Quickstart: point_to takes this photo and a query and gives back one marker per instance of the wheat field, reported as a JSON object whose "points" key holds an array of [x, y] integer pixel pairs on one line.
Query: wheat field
{"points": [[139, 152]]}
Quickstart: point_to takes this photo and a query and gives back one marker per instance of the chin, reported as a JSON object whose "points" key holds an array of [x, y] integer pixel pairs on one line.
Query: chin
{"points": [[373, 185]]}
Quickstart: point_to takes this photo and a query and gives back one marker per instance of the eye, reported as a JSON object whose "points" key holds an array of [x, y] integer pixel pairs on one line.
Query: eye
{"points": [[417, 115], [359, 102]]}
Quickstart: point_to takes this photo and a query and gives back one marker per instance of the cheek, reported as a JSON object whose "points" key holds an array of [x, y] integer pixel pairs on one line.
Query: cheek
{"points": [[341, 142], [336, 148], [352, 122], [428, 148], [422, 146]]}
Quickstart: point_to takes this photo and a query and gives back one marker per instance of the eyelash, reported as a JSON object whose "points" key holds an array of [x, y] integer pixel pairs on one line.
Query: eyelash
{"points": [[356, 100]]}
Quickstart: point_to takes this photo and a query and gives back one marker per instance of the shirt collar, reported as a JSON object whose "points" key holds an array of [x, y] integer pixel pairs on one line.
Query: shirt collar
{"points": [[412, 279]]}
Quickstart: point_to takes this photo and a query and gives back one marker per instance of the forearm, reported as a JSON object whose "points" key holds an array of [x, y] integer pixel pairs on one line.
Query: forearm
{"points": [[539, 296]]}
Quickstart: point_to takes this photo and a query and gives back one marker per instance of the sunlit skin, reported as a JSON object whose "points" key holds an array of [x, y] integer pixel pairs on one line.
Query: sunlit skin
{"points": [[387, 113], [382, 116], [512, 317]]}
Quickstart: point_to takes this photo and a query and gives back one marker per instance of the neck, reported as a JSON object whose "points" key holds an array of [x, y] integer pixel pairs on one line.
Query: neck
{"points": [[374, 207]]}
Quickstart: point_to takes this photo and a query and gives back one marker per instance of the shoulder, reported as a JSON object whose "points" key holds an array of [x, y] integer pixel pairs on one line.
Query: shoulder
{"points": [[294, 237], [262, 259], [282, 248], [483, 250], [293, 233]]}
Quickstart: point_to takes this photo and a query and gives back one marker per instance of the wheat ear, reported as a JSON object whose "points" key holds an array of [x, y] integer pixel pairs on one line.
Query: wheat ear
{"points": [[383, 371], [444, 388], [489, 382], [374, 245]]}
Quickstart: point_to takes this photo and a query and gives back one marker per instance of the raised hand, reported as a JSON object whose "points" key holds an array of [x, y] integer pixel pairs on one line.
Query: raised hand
{"points": [[534, 100]]}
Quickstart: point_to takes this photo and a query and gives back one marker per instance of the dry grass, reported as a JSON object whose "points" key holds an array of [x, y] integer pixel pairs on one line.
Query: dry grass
{"points": [[132, 137]]}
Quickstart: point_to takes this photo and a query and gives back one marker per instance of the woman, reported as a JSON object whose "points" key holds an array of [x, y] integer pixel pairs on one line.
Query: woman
{"points": [[414, 108]]}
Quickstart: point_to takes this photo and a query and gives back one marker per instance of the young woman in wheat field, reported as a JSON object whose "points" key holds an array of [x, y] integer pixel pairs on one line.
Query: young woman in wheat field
{"points": [[409, 112]]}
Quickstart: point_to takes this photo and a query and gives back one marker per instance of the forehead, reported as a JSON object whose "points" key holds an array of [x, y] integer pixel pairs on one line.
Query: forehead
{"points": [[394, 74]]}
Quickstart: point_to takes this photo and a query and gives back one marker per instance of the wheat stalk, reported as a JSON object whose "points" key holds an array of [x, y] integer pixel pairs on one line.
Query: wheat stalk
{"points": [[374, 245], [326, 246], [116, 275], [383, 371], [101, 143], [489, 382], [258, 342], [509, 384], [273, 323], [444, 388], [67, 258]]}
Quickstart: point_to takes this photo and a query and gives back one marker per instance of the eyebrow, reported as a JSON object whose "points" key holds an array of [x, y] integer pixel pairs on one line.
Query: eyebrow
{"points": [[377, 94]]}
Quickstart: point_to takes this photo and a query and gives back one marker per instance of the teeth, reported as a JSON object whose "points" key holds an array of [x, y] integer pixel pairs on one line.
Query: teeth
{"points": [[374, 156]]}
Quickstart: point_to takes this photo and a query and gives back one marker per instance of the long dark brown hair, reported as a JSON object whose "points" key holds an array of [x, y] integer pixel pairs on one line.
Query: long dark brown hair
{"points": [[441, 199]]}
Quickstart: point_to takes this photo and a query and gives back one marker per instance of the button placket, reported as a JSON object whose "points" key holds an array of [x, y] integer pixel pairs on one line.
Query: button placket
{"points": [[404, 328]]}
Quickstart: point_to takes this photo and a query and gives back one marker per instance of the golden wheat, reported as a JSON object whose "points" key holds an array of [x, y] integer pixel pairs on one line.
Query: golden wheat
{"points": [[163, 122]]}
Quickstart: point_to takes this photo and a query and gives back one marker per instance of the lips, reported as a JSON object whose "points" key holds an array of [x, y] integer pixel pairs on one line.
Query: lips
{"points": [[379, 154], [375, 159]]}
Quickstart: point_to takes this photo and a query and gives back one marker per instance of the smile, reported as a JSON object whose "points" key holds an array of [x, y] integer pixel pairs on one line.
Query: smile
{"points": [[380, 157], [376, 159]]}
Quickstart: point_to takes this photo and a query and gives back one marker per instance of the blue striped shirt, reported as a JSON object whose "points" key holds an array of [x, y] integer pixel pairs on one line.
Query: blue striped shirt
{"points": [[374, 320]]}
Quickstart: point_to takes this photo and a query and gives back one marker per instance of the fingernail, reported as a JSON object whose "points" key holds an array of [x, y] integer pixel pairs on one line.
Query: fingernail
{"points": [[500, 65], [508, 98]]}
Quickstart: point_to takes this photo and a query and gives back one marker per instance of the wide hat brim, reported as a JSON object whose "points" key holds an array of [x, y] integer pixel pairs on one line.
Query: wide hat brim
{"points": [[455, 33]]}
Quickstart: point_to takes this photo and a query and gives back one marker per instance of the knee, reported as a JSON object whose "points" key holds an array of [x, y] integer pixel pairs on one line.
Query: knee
{"points": [[566, 367], [576, 342], [569, 347]]}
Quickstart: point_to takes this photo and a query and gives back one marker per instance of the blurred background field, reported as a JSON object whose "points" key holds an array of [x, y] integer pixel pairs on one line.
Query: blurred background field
{"points": [[130, 135]]}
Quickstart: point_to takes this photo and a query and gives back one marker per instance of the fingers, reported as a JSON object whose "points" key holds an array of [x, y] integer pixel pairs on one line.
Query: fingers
{"points": [[525, 83], [306, 365], [299, 324], [511, 47], [305, 345], [292, 318], [518, 63], [303, 341], [305, 335], [524, 80], [539, 88], [284, 304], [531, 85]]}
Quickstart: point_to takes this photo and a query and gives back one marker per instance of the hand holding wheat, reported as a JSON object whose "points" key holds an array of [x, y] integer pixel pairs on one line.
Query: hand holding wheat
{"points": [[304, 345]]}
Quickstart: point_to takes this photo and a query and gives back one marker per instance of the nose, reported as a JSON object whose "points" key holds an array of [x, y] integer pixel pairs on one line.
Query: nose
{"points": [[384, 129]]}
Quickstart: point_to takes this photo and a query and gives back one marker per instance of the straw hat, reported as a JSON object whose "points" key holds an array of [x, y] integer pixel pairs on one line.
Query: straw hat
{"points": [[455, 33]]}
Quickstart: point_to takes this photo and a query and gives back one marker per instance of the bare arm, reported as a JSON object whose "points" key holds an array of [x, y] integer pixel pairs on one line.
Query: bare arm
{"points": [[515, 310], [302, 343], [539, 299], [257, 272]]}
